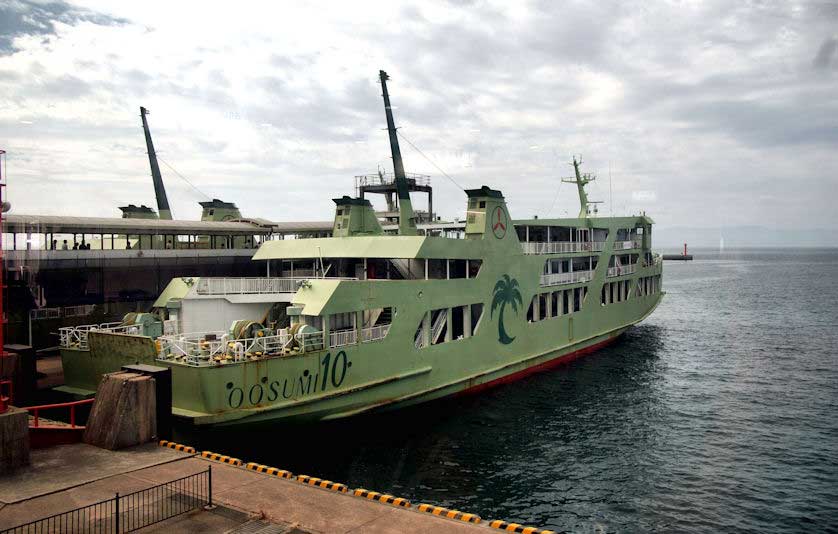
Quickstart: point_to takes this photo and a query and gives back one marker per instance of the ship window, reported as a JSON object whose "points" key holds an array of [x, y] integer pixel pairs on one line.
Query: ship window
{"points": [[476, 313], [482, 204], [439, 325], [542, 306], [474, 268], [577, 299], [530, 309], [555, 304], [457, 322], [604, 287]]}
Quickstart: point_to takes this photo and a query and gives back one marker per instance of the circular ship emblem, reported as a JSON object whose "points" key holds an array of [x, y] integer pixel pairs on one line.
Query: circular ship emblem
{"points": [[499, 223]]}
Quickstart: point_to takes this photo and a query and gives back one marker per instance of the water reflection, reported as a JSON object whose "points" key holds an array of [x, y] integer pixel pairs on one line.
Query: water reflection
{"points": [[532, 451]]}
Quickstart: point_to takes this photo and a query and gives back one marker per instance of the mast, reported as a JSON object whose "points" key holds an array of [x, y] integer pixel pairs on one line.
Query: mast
{"points": [[407, 224], [581, 180], [159, 191]]}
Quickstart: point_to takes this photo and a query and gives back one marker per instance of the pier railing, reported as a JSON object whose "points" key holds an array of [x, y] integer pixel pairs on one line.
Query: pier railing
{"points": [[566, 278], [130, 512]]}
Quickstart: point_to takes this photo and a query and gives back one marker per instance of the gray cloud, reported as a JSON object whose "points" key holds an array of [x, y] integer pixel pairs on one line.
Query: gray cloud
{"points": [[29, 17], [823, 59], [701, 104]]}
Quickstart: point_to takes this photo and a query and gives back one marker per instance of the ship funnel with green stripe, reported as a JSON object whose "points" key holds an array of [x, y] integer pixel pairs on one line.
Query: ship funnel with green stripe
{"points": [[407, 222]]}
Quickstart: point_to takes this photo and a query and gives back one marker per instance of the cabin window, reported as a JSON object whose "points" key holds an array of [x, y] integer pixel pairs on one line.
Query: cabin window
{"points": [[482, 204], [476, 314], [542, 306], [448, 324]]}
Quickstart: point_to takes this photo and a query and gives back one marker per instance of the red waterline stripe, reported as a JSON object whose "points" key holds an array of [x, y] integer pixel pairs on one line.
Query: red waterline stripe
{"points": [[550, 364]]}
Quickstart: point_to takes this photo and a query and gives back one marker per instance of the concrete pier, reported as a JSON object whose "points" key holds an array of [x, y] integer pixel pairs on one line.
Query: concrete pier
{"points": [[70, 476], [14, 439]]}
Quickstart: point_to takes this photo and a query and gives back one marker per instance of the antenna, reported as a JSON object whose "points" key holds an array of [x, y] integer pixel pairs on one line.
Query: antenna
{"points": [[610, 191], [407, 224], [159, 191], [581, 180]]}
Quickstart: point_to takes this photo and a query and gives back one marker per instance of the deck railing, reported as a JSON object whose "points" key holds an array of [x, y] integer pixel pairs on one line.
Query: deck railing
{"points": [[374, 333], [560, 247], [254, 285], [622, 270], [215, 348], [627, 245], [75, 337], [566, 278], [341, 338], [247, 286]]}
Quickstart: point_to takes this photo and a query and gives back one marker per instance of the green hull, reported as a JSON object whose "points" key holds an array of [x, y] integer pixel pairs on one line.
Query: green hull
{"points": [[392, 372], [107, 353]]}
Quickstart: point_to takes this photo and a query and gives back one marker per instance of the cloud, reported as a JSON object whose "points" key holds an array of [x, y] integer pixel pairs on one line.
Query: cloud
{"points": [[705, 112], [823, 59], [28, 17]]}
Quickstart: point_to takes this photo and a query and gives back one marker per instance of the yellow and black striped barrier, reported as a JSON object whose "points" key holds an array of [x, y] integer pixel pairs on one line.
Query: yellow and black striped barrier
{"points": [[220, 458], [450, 514], [386, 499], [320, 483], [269, 470], [176, 446], [515, 527]]}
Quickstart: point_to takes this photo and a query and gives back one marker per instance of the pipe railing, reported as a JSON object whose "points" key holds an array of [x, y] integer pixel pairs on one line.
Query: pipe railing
{"points": [[36, 412], [75, 337], [253, 285], [566, 278], [622, 270], [374, 333], [560, 247]]}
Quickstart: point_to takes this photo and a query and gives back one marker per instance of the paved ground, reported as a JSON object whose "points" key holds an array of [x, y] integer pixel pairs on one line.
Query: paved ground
{"points": [[70, 476]]}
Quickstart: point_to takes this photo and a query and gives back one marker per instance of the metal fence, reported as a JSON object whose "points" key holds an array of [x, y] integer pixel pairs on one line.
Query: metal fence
{"points": [[127, 513]]}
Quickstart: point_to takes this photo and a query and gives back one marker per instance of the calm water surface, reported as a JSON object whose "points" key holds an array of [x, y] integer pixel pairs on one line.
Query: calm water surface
{"points": [[718, 413]]}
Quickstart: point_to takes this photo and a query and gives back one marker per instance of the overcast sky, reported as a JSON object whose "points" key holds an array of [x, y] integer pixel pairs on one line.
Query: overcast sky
{"points": [[706, 113]]}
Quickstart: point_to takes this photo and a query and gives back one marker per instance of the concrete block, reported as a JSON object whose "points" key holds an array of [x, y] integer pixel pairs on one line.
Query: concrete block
{"points": [[124, 413], [14, 439]]}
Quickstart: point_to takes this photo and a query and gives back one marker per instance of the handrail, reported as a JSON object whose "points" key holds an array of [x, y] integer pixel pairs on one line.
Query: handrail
{"points": [[622, 270], [566, 278], [35, 410], [559, 247], [253, 285]]}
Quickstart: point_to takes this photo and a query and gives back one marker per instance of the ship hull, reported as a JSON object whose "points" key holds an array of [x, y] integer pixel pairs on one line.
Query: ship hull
{"points": [[413, 385]]}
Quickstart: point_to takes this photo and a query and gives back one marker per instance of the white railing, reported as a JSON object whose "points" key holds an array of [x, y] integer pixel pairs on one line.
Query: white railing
{"points": [[252, 286], [216, 348], [245, 286], [170, 327], [374, 333], [56, 313], [559, 247], [341, 338], [566, 278], [622, 270], [75, 337], [626, 245], [192, 347]]}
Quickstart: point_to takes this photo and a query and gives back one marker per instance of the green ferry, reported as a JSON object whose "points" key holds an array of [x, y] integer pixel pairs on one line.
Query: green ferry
{"points": [[367, 320]]}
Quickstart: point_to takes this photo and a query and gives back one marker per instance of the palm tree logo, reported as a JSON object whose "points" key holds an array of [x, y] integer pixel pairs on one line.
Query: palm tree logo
{"points": [[505, 292]]}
